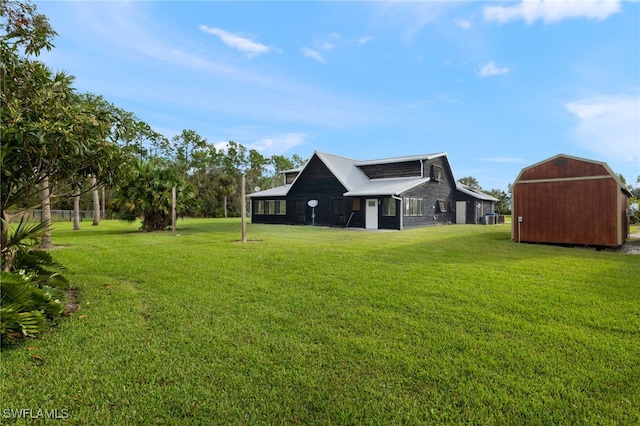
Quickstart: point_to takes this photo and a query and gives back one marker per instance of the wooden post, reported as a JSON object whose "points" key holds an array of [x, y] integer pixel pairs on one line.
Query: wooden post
{"points": [[173, 211], [244, 210]]}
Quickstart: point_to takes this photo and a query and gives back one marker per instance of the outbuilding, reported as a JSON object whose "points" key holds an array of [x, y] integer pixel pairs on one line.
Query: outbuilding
{"points": [[572, 201]]}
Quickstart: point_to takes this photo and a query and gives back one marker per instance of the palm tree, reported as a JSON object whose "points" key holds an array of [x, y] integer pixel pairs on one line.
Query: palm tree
{"points": [[146, 193], [226, 187]]}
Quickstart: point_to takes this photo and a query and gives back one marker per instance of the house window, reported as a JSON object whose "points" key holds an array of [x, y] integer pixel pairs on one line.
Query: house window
{"points": [[388, 207], [438, 174], [277, 207], [413, 207], [269, 207], [356, 205], [442, 205]]}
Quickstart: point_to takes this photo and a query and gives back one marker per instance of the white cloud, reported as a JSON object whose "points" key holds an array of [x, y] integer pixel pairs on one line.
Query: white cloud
{"points": [[237, 41], [313, 54], [275, 145], [278, 144], [465, 24], [608, 126], [491, 69], [552, 10], [364, 40]]}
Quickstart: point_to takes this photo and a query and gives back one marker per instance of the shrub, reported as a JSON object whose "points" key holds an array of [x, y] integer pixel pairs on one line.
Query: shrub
{"points": [[30, 285]]}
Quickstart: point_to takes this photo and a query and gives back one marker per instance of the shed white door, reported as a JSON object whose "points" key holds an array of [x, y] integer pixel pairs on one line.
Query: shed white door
{"points": [[461, 212], [371, 218]]}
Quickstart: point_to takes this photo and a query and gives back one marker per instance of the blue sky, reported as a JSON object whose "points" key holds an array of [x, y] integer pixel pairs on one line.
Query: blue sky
{"points": [[496, 85]]}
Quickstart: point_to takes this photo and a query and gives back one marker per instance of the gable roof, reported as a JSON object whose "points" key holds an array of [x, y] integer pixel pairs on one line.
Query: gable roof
{"points": [[355, 181], [586, 160], [343, 169]]}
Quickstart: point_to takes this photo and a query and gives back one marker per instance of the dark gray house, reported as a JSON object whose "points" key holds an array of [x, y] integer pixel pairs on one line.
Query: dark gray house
{"points": [[390, 193]]}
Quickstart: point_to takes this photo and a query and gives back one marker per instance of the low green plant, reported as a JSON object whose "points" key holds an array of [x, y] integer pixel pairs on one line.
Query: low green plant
{"points": [[30, 285]]}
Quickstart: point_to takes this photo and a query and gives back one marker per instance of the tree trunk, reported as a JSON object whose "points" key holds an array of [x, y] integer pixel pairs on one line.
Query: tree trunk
{"points": [[103, 204], [45, 242], [4, 238], [96, 201], [76, 208], [225, 206]]}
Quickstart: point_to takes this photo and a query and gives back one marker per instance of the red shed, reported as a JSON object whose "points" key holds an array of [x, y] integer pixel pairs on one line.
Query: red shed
{"points": [[570, 200]]}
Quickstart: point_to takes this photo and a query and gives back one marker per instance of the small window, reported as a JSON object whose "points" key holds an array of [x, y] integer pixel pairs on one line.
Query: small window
{"points": [[438, 174], [281, 207], [371, 203], [442, 205], [388, 207], [356, 205], [260, 207]]}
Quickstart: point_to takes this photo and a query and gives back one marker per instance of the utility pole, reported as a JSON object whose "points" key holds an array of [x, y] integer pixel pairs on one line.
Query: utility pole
{"points": [[243, 204]]}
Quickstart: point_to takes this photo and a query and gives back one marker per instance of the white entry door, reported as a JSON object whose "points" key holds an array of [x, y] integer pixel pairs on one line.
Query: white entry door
{"points": [[461, 212], [371, 218]]}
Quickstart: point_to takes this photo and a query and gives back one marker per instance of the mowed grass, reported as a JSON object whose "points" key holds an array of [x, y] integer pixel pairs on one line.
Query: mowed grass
{"points": [[304, 325]]}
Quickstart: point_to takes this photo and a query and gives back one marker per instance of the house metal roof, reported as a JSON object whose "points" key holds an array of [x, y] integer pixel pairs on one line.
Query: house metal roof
{"points": [[278, 191], [358, 185], [474, 193], [343, 169], [391, 186]]}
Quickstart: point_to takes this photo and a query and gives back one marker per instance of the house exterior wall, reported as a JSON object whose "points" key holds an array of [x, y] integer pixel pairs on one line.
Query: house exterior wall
{"points": [[393, 170], [472, 212], [265, 217], [431, 193], [316, 182], [567, 201]]}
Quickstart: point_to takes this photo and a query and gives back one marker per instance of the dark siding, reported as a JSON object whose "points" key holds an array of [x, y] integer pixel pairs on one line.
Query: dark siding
{"points": [[316, 182], [356, 217], [473, 213], [290, 177], [270, 218], [391, 170], [389, 222], [431, 192]]}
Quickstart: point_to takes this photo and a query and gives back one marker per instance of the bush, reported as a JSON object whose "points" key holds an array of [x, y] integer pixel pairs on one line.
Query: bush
{"points": [[30, 285]]}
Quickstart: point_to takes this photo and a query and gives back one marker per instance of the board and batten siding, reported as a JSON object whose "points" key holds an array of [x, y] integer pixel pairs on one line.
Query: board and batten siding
{"points": [[392, 170], [431, 193], [316, 182]]}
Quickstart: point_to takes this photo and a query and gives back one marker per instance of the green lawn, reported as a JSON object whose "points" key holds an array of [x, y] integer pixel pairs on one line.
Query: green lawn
{"points": [[302, 325]]}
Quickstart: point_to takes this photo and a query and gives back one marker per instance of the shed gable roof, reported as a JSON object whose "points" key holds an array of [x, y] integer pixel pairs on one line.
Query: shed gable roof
{"points": [[527, 174]]}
